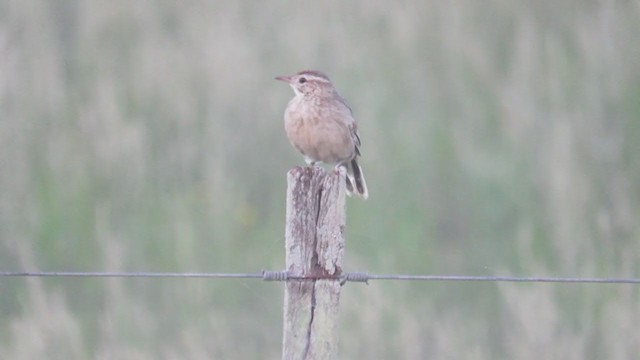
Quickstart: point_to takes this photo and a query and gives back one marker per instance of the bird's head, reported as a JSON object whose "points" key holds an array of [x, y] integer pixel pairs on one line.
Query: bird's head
{"points": [[308, 82]]}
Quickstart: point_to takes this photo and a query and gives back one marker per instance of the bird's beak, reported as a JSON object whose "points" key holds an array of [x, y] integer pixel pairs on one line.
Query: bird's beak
{"points": [[286, 79]]}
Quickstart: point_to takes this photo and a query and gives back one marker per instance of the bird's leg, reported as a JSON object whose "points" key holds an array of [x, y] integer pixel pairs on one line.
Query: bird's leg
{"points": [[311, 162], [341, 167]]}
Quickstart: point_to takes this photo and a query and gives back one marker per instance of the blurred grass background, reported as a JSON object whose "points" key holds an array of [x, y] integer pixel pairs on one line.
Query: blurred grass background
{"points": [[499, 138]]}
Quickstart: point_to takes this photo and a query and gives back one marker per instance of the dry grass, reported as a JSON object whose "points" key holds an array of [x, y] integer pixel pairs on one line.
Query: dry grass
{"points": [[499, 138]]}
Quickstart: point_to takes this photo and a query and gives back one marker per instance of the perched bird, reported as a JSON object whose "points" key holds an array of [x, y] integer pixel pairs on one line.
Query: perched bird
{"points": [[320, 125]]}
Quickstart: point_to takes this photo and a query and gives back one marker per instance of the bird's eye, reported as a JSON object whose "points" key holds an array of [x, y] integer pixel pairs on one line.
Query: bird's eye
{"points": [[302, 80]]}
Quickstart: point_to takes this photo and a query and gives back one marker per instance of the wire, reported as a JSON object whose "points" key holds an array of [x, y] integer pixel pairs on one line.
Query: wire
{"points": [[506, 279], [128, 274], [345, 277]]}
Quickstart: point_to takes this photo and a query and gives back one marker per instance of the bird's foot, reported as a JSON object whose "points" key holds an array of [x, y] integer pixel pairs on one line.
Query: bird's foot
{"points": [[340, 170], [312, 163]]}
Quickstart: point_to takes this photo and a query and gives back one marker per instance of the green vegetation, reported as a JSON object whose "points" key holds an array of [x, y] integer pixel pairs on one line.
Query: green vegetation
{"points": [[499, 138]]}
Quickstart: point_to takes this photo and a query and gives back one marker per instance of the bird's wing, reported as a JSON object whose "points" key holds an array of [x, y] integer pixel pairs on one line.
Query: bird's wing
{"points": [[353, 126]]}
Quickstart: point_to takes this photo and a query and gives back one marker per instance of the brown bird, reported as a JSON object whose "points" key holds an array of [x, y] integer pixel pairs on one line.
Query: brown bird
{"points": [[320, 125]]}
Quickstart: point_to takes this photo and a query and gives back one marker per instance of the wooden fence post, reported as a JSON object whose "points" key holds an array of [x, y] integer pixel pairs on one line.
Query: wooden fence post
{"points": [[314, 238]]}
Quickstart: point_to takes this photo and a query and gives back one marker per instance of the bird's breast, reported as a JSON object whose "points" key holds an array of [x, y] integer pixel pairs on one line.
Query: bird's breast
{"points": [[318, 134]]}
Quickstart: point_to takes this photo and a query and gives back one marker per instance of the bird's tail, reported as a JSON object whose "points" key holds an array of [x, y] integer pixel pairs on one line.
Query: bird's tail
{"points": [[356, 185]]}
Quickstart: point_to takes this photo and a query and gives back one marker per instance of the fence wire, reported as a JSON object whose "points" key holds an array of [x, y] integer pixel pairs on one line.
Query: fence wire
{"points": [[343, 278]]}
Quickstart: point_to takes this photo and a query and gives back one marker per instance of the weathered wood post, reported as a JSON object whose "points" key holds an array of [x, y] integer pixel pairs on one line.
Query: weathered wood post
{"points": [[314, 238]]}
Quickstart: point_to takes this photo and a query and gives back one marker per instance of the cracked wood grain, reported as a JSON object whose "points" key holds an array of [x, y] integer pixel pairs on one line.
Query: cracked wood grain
{"points": [[314, 244]]}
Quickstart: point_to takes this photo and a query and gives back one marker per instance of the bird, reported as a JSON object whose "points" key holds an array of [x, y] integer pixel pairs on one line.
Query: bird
{"points": [[321, 126]]}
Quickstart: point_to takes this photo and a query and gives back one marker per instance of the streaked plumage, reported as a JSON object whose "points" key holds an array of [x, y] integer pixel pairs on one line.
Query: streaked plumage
{"points": [[320, 125]]}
